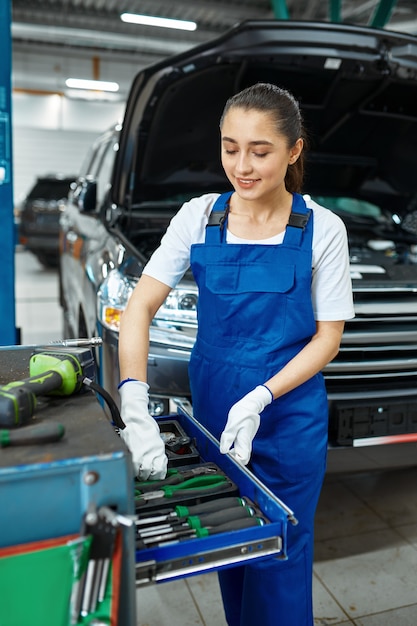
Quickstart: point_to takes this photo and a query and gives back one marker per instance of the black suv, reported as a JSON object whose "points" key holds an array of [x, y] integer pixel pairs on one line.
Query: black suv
{"points": [[39, 217], [357, 88]]}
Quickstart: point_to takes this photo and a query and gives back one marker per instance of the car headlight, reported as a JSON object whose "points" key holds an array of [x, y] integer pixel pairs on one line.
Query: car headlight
{"points": [[180, 307], [112, 298]]}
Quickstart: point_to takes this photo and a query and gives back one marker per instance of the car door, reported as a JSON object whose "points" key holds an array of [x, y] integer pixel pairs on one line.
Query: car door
{"points": [[82, 238]]}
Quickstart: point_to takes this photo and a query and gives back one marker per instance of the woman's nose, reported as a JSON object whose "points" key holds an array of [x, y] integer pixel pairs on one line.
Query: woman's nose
{"points": [[243, 163]]}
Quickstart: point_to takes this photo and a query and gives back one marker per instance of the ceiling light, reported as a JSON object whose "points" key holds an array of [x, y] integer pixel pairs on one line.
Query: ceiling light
{"points": [[163, 22], [95, 85]]}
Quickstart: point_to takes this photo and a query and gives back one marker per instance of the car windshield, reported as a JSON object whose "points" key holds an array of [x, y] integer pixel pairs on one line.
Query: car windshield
{"points": [[352, 206]]}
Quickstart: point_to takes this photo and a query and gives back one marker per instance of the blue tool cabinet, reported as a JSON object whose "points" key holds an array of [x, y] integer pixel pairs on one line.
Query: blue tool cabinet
{"points": [[46, 490]]}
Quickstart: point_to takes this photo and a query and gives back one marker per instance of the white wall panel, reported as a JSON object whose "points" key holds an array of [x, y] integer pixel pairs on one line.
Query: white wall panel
{"points": [[43, 151], [53, 134]]}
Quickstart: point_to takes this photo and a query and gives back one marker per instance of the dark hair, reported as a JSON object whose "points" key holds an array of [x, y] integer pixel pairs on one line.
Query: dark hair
{"points": [[285, 111]]}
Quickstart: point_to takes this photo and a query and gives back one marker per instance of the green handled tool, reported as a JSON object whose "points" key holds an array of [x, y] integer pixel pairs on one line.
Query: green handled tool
{"points": [[199, 521], [56, 372], [181, 511], [174, 477], [193, 486], [198, 533], [32, 435]]}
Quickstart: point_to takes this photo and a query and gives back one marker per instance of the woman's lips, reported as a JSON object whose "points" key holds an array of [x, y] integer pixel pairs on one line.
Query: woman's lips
{"points": [[246, 182]]}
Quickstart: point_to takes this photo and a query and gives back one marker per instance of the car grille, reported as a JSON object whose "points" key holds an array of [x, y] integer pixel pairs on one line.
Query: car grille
{"points": [[372, 383], [379, 346]]}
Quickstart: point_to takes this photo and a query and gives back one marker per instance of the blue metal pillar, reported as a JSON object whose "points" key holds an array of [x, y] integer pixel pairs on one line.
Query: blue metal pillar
{"points": [[7, 237]]}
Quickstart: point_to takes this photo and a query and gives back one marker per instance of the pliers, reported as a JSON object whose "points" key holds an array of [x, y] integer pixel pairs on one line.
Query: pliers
{"points": [[175, 477], [193, 486]]}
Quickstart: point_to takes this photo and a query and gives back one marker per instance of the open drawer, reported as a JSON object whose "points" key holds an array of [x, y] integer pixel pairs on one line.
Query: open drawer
{"points": [[201, 555]]}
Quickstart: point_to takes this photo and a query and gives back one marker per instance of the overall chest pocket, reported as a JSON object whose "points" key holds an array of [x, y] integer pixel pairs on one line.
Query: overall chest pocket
{"points": [[255, 278], [250, 301]]}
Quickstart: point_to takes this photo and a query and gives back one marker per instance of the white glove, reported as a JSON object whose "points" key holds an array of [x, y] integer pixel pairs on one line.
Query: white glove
{"points": [[142, 435], [243, 423]]}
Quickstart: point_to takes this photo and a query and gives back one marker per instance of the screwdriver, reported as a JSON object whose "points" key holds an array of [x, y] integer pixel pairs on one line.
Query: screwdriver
{"points": [[47, 432], [198, 533], [200, 521], [181, 511]]}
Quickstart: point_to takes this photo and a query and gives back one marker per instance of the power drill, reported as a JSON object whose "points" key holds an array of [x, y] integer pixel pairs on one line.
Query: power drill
{"points": [[52, 372]]}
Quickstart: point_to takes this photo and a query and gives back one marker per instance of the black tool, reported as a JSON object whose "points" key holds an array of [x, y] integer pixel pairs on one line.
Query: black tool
{"points": [[198, 533], [181, 511], [47, 432], [104, 535], [56, 372], [90, 519], [199, 521]]}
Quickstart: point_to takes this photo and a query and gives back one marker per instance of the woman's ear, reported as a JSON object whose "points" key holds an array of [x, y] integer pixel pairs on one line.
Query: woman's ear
{"points": [[295, 151]]}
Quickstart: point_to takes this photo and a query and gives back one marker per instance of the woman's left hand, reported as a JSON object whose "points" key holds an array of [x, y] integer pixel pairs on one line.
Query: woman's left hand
{"points": [[243, 423]]}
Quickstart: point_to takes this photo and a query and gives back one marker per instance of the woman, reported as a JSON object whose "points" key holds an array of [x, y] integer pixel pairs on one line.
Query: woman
{"points": [[274, 291]]}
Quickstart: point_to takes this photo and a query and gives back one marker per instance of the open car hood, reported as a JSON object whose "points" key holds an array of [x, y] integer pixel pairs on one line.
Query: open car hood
{"points": [[358, 92]]}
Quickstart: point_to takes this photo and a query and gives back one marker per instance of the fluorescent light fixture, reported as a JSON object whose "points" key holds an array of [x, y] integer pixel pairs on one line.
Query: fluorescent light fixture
{"points": [[163, 22], [95, 85]]}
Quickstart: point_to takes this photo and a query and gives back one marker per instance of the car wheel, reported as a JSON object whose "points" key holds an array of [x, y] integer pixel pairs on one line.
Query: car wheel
{"points": [[49, 261]]}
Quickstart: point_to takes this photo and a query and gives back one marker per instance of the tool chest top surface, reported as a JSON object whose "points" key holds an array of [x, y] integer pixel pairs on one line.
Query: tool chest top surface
{"points": [[88, 431]]}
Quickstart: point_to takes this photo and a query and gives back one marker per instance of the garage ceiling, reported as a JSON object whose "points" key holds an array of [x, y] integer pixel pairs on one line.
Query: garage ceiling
{"points": [[53, 39]]}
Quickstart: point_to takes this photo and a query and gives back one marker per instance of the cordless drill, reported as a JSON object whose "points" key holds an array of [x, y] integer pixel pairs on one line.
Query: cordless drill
{"points": [[52, 372]]}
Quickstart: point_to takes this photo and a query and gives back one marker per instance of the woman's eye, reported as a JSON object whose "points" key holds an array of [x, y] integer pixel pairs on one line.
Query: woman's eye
{"points": [[230, 151], [261, 155]]}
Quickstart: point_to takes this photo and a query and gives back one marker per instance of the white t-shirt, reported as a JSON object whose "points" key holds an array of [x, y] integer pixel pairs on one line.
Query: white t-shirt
{"points": [[331, 284]]}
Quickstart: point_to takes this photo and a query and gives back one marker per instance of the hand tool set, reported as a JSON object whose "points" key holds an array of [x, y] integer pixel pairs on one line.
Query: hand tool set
{"points": [[206, 514], [204, 502]]}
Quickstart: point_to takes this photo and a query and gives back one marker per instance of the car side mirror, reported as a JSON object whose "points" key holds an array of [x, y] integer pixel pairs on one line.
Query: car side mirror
{"points": [[86, 196]]}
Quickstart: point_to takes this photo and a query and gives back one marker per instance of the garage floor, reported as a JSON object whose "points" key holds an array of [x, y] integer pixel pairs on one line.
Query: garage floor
{"points": [[365, 570]]}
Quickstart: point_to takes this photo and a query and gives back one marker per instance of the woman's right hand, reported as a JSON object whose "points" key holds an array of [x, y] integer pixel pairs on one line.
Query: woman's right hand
{"points": [[142, 435]]}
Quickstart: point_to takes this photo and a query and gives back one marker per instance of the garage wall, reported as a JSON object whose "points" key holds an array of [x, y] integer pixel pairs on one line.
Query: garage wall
{"points": [[52, 133]]}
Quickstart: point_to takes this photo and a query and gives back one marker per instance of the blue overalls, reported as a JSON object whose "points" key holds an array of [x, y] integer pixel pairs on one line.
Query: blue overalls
{"points": [[255, 314]]}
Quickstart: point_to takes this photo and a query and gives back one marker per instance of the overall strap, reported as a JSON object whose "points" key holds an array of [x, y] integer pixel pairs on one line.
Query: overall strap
{"points": [[217, 219], [297, 221]]}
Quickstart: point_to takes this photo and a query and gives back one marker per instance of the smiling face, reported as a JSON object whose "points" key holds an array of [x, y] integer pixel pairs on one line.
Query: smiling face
{"points": [[255, 156]]}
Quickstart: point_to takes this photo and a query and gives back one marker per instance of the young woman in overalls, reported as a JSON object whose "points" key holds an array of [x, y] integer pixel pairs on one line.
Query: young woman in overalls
{"points": [[272, 271]]}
